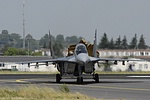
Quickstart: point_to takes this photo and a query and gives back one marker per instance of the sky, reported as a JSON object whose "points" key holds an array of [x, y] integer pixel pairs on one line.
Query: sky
{"points": [[77, 17]]}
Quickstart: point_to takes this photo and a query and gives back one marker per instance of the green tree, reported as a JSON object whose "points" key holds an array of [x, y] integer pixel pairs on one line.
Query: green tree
{"points": [[14, 51], [4, 38], [44, 41], [56, 45], [141, 44], [5, 32], [15, 40], [104, 43], [72, 39], [58, 48], [60, 38], [133, 43], [111, 44], [12, 40], [80, 38], [31, 43], [118, 43], [124, 44]]}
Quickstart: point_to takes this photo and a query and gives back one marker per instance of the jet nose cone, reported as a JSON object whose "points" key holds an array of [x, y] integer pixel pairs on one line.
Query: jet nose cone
{"points": [[83, 58]]}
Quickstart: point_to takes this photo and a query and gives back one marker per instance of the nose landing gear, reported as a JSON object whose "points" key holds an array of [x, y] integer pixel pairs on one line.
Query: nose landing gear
{"points": [[79, 80]]}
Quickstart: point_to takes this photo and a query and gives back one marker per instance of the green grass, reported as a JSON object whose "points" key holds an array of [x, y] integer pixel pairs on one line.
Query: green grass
{"points": [[39, 93], [64, 88]]}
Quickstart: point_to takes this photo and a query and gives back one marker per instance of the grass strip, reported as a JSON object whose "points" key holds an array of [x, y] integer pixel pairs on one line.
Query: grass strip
{"points": [[33, 92]]}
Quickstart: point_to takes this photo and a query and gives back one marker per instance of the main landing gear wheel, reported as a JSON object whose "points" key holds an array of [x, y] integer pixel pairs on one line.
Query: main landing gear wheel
{"points": [[58, 78], [79, 80], [96, 78]]}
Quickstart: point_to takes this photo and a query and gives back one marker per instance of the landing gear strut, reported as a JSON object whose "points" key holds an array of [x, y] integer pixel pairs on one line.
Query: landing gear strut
{"points": [[79, 80], [58, 78], [96, 78]]}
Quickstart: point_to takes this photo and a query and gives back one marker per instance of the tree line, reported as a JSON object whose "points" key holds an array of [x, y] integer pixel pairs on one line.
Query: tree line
{"points": [[119, 43], [11, 42]]}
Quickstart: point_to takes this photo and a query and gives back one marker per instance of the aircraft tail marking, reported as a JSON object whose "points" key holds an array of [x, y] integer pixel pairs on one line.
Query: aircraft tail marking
{"points": [[51, 46]]}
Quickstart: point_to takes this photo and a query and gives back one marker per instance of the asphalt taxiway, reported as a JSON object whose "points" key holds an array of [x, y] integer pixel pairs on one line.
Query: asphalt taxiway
{"points": [[128, 87]]}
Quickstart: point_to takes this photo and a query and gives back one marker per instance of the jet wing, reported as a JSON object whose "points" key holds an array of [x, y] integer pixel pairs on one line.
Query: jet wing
{"points": [[63, 59], [94, 59]]}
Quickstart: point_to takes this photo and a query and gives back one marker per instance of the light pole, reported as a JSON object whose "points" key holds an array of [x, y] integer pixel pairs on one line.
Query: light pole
{"points": [[28, 47], [23, 25]]}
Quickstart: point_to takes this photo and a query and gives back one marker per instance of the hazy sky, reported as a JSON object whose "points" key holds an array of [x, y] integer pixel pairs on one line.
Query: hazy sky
{"points": [[77, 17]]}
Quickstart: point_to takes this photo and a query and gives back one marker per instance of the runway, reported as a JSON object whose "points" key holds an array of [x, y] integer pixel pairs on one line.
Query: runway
{"points": [[112, 87]]}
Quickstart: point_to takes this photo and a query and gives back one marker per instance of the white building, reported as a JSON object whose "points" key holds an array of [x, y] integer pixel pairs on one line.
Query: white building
{"points": [[122, 53], [132, 66], [10, 63], [136, 65]]}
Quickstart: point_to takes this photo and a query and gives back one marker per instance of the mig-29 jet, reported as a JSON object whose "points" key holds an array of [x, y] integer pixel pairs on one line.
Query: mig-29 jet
{"points": [[77, 64]]}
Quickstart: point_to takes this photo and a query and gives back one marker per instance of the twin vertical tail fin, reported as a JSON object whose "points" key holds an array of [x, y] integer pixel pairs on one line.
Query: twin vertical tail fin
{"points": [[51, 46], [95, 44]]}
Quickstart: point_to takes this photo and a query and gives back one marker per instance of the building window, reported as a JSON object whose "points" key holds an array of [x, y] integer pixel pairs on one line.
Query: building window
{"points": [[146, 53], [140, 66], [2, 64], [13, 67], [142, 53], [146, 66]]}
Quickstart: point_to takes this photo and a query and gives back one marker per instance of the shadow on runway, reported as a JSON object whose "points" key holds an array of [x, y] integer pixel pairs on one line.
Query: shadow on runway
{"points": [[52, 82], [70, 82], [50, 79]]}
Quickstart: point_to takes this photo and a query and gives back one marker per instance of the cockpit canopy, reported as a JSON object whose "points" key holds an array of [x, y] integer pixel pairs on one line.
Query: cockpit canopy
{"points": [[81, 49]]}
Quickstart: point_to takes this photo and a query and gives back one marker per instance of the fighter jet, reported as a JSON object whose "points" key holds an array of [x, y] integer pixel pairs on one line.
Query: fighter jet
{"points": [[79, 64]]}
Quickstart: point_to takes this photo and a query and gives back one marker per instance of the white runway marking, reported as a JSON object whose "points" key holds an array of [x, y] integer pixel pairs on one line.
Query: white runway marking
{"points": [[139, 76]]}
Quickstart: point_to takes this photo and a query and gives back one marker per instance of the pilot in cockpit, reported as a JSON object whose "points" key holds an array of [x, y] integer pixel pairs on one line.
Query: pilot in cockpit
{"points": [[81, 49]]}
